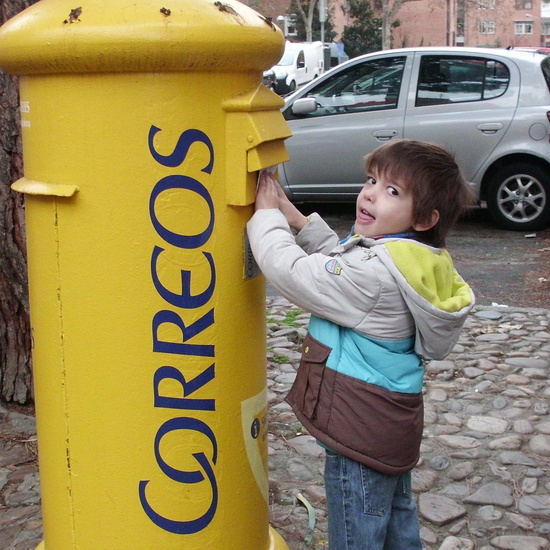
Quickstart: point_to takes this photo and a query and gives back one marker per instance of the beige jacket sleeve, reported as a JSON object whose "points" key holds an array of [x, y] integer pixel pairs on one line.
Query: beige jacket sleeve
{"points": [[324, 285], [317, 236]]}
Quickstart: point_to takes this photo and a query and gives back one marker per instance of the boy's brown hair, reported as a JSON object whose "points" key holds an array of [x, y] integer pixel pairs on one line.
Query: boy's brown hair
{"points": [[433, 177]]}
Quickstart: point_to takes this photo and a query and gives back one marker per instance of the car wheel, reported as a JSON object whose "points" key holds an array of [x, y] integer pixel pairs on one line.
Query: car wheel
{"points": [[292, 86], [518, 197]]}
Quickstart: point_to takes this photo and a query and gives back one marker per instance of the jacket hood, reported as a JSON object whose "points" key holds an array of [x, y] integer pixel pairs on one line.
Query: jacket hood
{"points": [[435, 293]]}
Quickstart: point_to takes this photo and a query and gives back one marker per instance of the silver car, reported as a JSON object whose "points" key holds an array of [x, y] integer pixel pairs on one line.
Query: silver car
{"points": [[490, 107]]}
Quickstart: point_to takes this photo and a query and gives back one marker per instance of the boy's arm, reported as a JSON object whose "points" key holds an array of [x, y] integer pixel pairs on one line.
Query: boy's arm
{"points": [[317, 236], [312, 237], [313, 282]]}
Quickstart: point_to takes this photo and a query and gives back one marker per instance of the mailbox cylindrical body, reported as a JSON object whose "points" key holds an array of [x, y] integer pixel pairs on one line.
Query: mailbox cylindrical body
{"points": [[144, 127]]}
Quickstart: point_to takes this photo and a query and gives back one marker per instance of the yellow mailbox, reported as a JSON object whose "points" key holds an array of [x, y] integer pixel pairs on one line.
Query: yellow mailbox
{"points": [[144, 124]]}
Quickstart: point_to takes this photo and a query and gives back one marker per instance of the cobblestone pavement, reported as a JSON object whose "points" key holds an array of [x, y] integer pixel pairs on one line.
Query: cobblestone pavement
{"points": [[20, 514], [483, 481]]}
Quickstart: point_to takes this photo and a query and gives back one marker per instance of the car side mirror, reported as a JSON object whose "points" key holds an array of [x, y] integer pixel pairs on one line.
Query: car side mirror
{"points": [[304, 106]]}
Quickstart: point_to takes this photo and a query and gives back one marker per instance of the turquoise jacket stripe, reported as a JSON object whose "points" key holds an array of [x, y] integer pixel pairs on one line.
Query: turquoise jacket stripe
{"points": [[392, 365]]}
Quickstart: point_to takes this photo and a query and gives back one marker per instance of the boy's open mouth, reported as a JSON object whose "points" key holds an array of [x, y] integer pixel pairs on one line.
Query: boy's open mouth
{"points": [[365, 214]]}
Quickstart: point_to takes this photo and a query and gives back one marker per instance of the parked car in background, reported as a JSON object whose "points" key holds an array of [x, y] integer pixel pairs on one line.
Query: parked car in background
{"points": [[490, 108], [269, 80], [300, 64]]}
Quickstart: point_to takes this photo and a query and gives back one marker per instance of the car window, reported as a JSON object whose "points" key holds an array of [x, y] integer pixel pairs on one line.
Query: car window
{"points": [[459, 79], [545, 66], [371, 85]]}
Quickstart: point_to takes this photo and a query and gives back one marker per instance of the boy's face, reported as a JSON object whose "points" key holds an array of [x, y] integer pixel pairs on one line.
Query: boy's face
{"points": [[384, 207]]}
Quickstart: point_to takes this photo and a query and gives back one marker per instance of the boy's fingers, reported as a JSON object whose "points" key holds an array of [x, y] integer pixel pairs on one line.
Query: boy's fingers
{"points": [[266, 181], [263, 179], [272, 184]]}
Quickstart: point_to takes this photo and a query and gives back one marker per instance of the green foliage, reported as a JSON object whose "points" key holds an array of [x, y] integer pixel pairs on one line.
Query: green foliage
{"points": [[289, 320], [290, 317], [280, 359], [364, 34]]}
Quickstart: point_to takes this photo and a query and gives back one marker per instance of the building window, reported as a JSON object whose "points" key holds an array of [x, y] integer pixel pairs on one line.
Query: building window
{"points": [[486, 4], [523, 27], [524, 4], [486, 27], [287, 23], [291, 24]]}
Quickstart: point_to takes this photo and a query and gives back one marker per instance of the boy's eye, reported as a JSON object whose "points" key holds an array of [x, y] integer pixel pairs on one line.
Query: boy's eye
{"points": [[393, 191], [371, 180]]}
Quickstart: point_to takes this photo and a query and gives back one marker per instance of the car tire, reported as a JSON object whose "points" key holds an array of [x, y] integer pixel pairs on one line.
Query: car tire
{"points": [[292, 86], [518, 197]]}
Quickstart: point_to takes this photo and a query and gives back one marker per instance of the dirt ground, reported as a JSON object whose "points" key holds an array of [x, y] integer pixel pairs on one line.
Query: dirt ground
{"points": [[507, 267]]}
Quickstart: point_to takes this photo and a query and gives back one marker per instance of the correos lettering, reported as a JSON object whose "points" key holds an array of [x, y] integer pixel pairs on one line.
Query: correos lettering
{"points": [[190, 344]]}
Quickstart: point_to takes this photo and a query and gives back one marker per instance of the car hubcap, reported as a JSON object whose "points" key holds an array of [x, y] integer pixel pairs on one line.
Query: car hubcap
{"points": [[521, 198]]}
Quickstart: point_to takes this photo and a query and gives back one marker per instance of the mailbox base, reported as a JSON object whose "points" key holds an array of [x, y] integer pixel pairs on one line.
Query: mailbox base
{"points": [[276, 542]]}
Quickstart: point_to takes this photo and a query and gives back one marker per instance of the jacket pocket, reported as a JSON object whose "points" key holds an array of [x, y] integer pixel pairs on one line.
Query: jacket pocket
{"points": [[304, 394], [375, 426]]}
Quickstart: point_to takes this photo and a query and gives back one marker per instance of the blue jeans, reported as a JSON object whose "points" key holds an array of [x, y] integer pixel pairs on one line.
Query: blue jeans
{"points": [[368, 510]]}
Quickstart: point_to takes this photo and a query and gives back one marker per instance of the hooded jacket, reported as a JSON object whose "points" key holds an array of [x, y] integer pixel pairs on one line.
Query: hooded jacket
{"points": [[379, 306]]}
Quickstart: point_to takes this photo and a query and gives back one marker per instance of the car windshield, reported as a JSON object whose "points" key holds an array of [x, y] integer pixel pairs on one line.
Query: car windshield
{"points": [[287, 59]]}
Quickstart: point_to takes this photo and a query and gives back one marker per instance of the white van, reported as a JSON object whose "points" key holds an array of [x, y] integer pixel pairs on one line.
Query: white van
{"points": [[301, 63]]}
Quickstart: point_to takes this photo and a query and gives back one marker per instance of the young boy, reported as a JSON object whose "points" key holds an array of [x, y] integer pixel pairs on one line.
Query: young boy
{"points": [[381, 300]]}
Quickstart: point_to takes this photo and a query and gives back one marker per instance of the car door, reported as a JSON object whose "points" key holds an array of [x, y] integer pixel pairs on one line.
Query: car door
{"points": [[359, 107], [464, 102]]}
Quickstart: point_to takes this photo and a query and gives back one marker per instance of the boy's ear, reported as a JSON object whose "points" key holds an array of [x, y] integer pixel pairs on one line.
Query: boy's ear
{"points": [[434, 218]]}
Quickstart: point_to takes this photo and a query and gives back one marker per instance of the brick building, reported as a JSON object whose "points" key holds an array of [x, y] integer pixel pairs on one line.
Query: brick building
{"points": [[486, 23]]}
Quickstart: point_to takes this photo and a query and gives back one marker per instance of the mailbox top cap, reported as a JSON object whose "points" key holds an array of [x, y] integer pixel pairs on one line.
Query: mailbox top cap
{"points": [[52, 37]]}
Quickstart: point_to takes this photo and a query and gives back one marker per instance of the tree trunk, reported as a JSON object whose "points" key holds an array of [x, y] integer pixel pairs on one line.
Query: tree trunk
{"points": [[309, 22], [386, 26], [15, 331], [389, 15]]}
